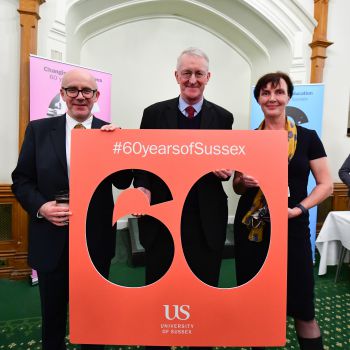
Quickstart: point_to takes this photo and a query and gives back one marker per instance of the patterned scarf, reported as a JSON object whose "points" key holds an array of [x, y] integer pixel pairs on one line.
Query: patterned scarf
{"points": [[256, 217]]}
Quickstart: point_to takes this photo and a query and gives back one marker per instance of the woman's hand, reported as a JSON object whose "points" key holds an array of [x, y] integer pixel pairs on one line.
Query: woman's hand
{"points": [[294, 212]]}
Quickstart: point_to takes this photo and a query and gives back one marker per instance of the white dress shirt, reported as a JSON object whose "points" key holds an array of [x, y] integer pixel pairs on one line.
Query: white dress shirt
{"points": [[183, 105], [70, 124]]}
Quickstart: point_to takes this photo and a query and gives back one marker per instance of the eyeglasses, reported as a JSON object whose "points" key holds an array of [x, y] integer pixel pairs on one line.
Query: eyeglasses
{"points": [[74, 92], [187, 74]]}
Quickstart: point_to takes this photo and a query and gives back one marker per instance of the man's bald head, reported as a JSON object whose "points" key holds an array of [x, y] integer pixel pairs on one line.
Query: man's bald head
{"points": [[78, 74], [79, 91]]}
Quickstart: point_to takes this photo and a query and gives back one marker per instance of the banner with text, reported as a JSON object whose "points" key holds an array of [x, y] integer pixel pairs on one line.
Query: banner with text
{"points": [[178, 309], [45, 83]]}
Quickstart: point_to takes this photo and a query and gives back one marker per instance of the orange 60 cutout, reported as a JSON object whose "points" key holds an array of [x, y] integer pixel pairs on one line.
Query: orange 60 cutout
{"points": [[178, 309]]}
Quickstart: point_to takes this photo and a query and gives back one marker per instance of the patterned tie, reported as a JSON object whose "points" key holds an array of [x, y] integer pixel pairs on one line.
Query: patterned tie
{"points": [[190, 111], [79, 126]]}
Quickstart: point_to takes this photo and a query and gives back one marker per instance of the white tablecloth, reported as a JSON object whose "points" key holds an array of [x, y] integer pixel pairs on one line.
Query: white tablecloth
{"points": [[334, 234]]}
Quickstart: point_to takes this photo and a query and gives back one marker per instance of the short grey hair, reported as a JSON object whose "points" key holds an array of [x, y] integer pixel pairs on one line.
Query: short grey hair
{"points": [[192, 51]]}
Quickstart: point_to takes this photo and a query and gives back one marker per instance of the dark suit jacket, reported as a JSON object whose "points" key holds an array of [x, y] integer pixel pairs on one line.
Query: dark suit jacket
{"points": [[211, 196], [344, 172], [40, 173]]}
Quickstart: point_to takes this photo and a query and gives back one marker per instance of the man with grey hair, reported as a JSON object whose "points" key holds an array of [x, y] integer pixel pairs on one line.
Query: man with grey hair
{"points": [[204, 216]]}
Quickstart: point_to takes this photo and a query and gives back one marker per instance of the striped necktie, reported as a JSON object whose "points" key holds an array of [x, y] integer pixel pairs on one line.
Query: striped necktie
{"points": [[190, 111]]}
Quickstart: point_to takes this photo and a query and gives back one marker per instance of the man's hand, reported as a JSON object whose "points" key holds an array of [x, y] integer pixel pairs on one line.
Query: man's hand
{"points": [[148, 195], [249, 181], [56, 214], [109, 127], [223, 174]]}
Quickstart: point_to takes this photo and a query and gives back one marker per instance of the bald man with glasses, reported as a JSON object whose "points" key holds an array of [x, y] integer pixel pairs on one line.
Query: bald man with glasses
{"points": [[41, 173]]}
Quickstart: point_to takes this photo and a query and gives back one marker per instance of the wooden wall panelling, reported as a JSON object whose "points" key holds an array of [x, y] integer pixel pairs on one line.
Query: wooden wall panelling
{"points": [[337, 202], [13, 249], [13, 244]]}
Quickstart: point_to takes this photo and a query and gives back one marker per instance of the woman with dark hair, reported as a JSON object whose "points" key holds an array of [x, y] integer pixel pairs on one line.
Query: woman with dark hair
{"points": [[252, 227]]}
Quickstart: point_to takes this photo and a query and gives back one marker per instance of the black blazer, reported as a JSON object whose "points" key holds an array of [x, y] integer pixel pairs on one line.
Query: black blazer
{"points": [[40, 173], [211, 196]]}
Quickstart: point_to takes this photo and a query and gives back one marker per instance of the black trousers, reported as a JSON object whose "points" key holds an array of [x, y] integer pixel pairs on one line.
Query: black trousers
{"points": [[204, 262], [54, 292], [54, 289]]}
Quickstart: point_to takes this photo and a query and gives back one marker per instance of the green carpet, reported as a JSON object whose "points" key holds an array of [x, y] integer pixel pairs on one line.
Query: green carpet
{"points": [[20, 323]]}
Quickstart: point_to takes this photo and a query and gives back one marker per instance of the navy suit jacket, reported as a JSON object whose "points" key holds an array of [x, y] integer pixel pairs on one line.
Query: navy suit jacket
{"points": [[211, 195], [40, 173]]}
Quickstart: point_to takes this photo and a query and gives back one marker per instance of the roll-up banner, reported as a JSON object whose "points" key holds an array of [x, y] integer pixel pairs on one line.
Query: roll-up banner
{"points": [[45, 83]]}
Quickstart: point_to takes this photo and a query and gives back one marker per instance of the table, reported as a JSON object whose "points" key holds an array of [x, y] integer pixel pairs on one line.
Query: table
{"points": [[333, 240]]}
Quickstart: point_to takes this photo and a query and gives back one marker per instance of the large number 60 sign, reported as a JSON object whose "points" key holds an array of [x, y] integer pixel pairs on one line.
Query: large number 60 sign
{"points": [[178, 309]]}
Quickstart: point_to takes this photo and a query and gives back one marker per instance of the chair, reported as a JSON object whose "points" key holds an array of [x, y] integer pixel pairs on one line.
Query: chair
{"points": [[342, 255]]}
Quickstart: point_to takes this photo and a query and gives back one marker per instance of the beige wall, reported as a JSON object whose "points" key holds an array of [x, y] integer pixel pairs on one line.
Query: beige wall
{"points": [[337, 86], [142, 58]]}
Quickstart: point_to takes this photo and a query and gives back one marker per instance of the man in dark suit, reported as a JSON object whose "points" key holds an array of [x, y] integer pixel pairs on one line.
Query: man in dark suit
{"points": [[344, 172], [204, 217], [43, 171]]}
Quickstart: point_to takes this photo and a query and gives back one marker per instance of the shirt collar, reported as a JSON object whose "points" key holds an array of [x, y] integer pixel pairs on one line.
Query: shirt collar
{"points": [[71, 123], [183, 105]]}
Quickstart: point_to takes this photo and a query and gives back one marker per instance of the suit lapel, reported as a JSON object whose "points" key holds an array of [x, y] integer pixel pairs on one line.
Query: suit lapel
{"points": [[58, 137], [97, 123], [171, 114], [208, 118]]}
